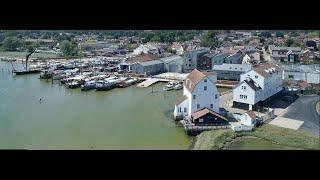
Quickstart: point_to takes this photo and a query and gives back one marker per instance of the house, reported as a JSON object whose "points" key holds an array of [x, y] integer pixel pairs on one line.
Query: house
{"points": [[219, 58], [204, 62], [231, 72], [235, 58], [178, 48], [148, 68], [246, 122], [208, 117], [191, 58], [200, 100], [246, 59], [145, 49], [251, 58], [285, 54], [257, 85], [308, 73], [307, 56], [173, 63]]}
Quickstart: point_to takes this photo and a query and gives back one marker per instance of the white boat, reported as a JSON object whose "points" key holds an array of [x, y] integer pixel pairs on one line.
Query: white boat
{"points": [[177, 86], [169, 86]]}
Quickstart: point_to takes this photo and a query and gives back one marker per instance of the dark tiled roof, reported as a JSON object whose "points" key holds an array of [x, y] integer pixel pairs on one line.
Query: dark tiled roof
{"points": [[252, 85]]}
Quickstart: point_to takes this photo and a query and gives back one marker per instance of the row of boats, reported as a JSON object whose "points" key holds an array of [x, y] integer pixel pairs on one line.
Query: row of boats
{"points": [[99, 83], [173, 85]]}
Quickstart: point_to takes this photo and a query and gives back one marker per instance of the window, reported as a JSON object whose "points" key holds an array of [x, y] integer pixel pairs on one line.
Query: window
{"points": [[201, 120], [198, 106], [179, 109], [194, 96], [189, 60], [189, 65], [205, 88], [216, 96], [256, 76], [244, 87], [185, 110], [211, 106], [291, 76], [205, 80]]}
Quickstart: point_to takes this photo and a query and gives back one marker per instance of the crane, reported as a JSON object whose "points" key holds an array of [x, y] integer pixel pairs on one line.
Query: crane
{"points": [[27, 57]]}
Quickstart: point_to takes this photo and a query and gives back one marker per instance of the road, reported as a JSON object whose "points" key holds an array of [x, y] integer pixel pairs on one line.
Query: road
{"points": [[304, 109]]}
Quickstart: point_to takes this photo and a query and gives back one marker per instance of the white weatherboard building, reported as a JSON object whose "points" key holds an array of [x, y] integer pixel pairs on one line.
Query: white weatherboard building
{"points": [[262, 82], [199, 92], [247, 122]]}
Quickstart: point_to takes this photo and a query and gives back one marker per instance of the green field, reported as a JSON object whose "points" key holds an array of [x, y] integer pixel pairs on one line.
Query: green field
{"points": [[13, 54], [272, 137]]}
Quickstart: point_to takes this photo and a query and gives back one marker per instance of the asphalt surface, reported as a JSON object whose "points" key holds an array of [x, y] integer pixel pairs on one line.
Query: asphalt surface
{"points": [[304, 109]]}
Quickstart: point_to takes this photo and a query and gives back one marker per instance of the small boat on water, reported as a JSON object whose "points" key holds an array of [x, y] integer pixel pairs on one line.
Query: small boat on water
{"points": [[88, 86], [104, 86], [127, 83], [73, 84], [177, 86], [46, 74], [169, 86]]}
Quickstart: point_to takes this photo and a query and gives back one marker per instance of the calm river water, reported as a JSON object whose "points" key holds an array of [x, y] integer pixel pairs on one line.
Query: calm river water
{"points": [[129, 118]]}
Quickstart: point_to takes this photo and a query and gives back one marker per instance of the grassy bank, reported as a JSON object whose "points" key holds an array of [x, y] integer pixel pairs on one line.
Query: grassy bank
{"points": [[318, 107], [220, 139]]}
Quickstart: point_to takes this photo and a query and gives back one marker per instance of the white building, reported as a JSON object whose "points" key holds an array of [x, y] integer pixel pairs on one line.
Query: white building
{"points": [[199, 92], [247, 121], [257, 85], [145, 49], [246, 59]]}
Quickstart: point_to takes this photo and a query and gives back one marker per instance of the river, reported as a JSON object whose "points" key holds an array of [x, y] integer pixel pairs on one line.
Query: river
{"points": [[128, 118]]}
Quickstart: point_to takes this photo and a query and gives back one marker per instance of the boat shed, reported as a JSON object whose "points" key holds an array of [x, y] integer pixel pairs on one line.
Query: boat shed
{"points": [[173, 63], [149, 68]]}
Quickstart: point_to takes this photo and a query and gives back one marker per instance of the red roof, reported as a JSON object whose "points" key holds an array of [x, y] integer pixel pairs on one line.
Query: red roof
{"points": [[260, 69], [251, 114], [200, 113], [181, 99], [195, 77], [141, 58]]}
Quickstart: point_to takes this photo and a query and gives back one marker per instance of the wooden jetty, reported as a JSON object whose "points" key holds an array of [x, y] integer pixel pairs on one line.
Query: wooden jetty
{"points": [[150, 81]]}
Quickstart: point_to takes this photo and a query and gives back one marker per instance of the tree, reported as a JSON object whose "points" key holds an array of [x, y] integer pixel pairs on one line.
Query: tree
{"points": [[279, 34], [265, 34], [155, 38], [11, 43], [210, 40], [311, 44], [68, 48], [291, 43]]}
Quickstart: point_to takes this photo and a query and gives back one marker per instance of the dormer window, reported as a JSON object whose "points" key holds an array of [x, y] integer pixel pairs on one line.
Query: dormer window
{"points": [[205, 80], [256, 76]]}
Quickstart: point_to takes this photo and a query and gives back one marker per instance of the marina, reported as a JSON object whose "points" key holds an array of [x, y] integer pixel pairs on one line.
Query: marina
{"points": [[71, 119]]}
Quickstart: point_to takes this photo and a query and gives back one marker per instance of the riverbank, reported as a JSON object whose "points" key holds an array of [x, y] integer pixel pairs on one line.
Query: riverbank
{"points": [[287, 138], [318, 107]]}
